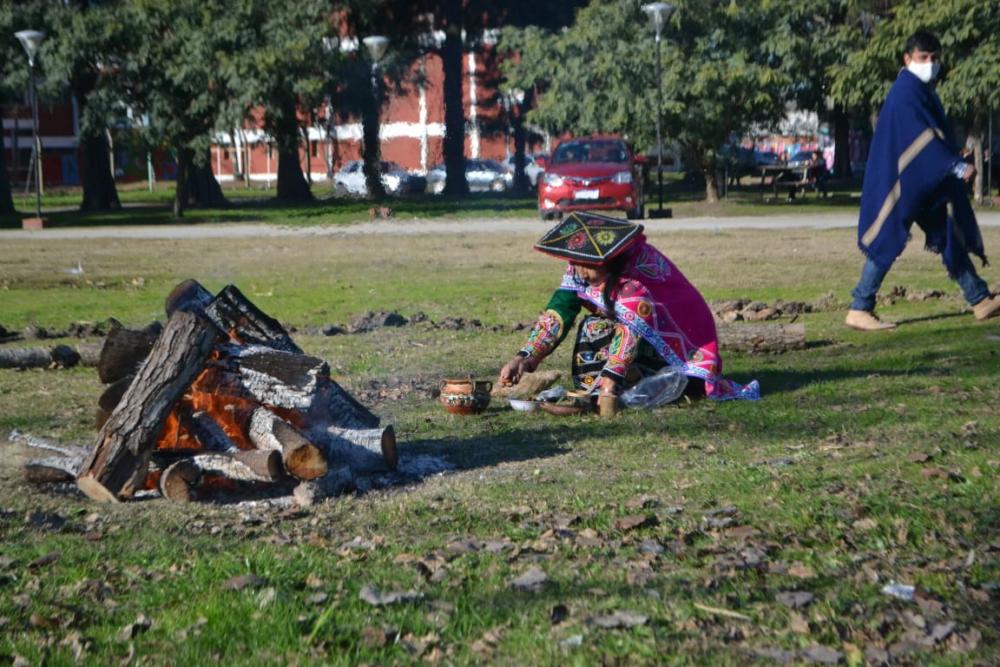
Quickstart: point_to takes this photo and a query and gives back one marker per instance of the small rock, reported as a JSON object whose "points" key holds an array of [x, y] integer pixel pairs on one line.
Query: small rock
{"points": [[317, 598], [242, 581], [531, 581], [619, 619], [795, 599], [373, 596], [823, 655]]}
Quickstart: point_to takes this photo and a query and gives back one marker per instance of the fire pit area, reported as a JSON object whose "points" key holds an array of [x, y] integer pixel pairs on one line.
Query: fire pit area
{"points": [[218, 404]]}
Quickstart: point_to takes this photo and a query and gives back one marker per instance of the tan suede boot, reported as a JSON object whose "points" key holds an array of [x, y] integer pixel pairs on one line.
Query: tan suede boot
{"points": [[862, 320], [987, 308]]}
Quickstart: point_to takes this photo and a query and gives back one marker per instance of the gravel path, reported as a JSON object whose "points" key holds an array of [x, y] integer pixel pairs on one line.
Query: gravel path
{"points": [[465, 226]]}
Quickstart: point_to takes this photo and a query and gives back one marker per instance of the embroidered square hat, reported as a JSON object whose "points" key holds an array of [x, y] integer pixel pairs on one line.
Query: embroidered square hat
{"points": [[588, 238]]}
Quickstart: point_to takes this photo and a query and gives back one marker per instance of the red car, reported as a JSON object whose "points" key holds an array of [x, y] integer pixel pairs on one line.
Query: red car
{"points": [[592, 173]]}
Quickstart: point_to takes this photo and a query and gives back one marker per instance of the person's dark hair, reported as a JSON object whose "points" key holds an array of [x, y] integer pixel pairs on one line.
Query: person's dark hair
{"points": [[615, 269], [923, 40]]}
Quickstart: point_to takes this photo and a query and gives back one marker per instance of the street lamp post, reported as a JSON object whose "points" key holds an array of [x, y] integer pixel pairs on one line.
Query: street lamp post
{"points": [[376, 45], [659, 13], [31, 40]]}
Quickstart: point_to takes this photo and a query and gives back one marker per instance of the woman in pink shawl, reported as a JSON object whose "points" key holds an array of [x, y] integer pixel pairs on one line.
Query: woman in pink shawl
{"points": [[643, 314]]}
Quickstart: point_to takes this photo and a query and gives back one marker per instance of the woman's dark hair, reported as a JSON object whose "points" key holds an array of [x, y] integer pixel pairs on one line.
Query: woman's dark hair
{"points": [[923, 40], [615, 269]]}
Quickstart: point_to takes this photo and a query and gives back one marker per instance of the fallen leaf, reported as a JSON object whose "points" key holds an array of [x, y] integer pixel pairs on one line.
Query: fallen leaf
{"points": [[642, 502], [865, 524], [531, 581], [317, 598], [42, 561], [798, 623], [718, 611], [633, 521], [373, 596], [135, 628], [619, 619], [800, 571]]}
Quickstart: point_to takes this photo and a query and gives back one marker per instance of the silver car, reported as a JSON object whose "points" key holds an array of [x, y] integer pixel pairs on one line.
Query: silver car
{"points": [[482, 175], [531, 169]]}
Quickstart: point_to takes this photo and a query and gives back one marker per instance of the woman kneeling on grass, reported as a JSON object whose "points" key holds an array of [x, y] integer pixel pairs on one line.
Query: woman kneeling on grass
{"points": [[644, 315]]}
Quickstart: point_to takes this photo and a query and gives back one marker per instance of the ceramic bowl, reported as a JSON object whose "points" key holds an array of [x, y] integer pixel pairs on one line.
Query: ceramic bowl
{"points": [[523, 406]]}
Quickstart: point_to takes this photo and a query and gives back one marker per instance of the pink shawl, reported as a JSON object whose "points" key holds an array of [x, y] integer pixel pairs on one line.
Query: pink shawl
{"points": [[679, 326]]}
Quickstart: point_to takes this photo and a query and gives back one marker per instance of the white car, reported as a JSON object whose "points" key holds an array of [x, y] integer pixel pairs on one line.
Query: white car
{"points": [[397, 181], [531, 169]]}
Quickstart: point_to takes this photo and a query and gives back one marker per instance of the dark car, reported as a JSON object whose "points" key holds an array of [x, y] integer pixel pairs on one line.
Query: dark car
{"points": [[801, 159], [592, 173], [766, 158]]}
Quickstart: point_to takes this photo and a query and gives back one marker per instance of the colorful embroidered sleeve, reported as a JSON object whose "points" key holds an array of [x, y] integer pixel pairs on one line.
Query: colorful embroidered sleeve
{"points": [[552, 325], [621, 353]]}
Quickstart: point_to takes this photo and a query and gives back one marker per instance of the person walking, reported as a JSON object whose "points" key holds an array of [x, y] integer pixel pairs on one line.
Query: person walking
{"points": [[916, 174]]}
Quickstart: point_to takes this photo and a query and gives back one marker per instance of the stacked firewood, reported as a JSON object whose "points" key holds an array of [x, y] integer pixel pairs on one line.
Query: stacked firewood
{"points": [[220, 402]]}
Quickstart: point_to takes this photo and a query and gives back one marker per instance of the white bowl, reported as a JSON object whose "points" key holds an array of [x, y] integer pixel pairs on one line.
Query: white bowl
{"points": [[523, 406]]}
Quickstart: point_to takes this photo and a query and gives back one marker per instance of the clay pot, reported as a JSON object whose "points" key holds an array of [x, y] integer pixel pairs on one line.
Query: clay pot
{"points": [[465, 396]]}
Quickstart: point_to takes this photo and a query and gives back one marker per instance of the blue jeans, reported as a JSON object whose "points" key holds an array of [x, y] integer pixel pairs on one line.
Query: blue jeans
{"points": [[974, 288]]}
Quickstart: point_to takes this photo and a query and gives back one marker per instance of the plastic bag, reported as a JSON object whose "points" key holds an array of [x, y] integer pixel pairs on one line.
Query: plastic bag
{"points": [[551, 395], [656, 390]]}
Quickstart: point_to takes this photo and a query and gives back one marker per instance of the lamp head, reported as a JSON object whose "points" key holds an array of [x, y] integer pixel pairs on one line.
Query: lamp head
{"points": [[30, 40], [658, 13], [376, 45]]}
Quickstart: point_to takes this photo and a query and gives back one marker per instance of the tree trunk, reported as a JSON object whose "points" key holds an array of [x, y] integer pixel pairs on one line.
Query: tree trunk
{"points": [[371, 143], [184, 156], [522, 185], [454, 110], [117, 466], [841, 143], [6, 200], [292, 185], [203, 187], [99, 191], [976, 138], [711, 186]]}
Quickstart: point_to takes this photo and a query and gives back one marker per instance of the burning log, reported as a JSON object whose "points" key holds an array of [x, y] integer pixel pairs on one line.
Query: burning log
{"points": [[333, 483], [265, 464], [124, 349], [187, 478], [301, 458], [117, 466], [247, 324], [178, 481], [762, 337]]}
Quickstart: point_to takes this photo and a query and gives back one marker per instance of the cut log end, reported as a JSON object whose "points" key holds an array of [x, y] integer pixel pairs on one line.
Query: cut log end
{"points": [[266, 463], [306, 461], [178, 481], [389, 447], [95, 490]]}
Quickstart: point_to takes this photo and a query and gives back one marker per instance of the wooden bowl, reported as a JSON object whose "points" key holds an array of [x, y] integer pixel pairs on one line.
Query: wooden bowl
{"points": [[578, 407]]}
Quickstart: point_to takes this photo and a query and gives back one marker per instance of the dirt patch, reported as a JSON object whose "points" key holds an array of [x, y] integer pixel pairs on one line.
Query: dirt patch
{"points": [[381, 319], [747, 310], [72, 330]]}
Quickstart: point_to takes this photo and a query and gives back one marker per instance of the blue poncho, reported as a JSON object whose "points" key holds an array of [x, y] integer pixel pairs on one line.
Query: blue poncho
{"points": [[909, 179]]}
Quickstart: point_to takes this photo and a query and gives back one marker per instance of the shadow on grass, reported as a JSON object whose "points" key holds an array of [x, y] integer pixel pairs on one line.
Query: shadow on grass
{"points": [[486, 451]]}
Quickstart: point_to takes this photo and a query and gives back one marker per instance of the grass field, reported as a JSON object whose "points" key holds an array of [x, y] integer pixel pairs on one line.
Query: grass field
{"points": [[258, 205], [872, 459]]}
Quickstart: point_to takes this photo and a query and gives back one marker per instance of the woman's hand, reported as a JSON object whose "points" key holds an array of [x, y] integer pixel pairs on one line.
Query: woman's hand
{"points": [[512, 372]]}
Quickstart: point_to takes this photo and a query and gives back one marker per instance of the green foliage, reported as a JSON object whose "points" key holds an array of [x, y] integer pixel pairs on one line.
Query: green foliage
{"points": [[970, 38], [599, 75]]}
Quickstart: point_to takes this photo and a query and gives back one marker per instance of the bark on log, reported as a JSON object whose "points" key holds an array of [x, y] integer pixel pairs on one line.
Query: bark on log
{"points": [[246, 323], [331, 484], [124, 349], [59, 356], [301, 458], [762, 337], [266, 464], [117, 466], [355, 447], [190, 296], [187, 478], [334, 405], [110, 399]]}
